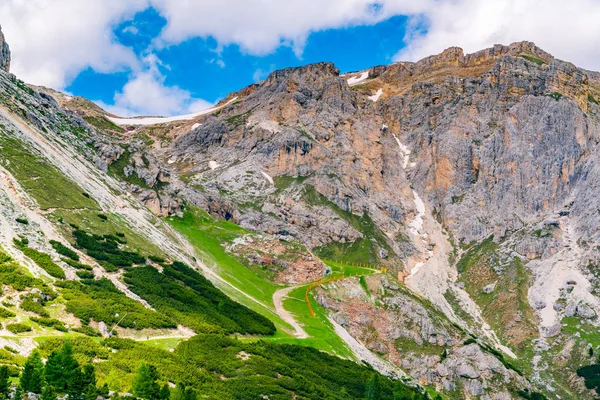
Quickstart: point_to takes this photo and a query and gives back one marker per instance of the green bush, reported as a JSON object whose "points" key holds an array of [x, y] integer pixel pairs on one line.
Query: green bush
{"points": [[43, 260], [33, 303], [18, 328], [50, 322], [23, 221], [192, 300], [106, 249], [87, 330], [4, 313], [100, 300], [76, 265], [85, 274], [64, 250]]}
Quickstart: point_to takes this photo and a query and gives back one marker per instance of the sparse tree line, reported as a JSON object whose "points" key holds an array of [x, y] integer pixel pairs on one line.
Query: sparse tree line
{"points": [[62, 376]]}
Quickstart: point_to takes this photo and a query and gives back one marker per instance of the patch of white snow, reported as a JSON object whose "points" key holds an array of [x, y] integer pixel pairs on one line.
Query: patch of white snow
{"points": [[355, 80], [162, 120], [416, 224], [268, 177], [376, 96], [213, 164], [195, 126], [405, 150]]}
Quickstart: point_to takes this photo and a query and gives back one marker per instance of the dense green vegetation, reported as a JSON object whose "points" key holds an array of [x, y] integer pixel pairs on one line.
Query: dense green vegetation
{"points": [[591, 374], [192, 300], [208, 235], [221, 367], [106, 249], [43, 260], [18, 327], [13, 275], [64, 250], [100, 300]]}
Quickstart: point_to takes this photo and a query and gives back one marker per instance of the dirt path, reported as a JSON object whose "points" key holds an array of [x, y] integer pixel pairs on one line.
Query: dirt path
{"points": [[285, 315]]}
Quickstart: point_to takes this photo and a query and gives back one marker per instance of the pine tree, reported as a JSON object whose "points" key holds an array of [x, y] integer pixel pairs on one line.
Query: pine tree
{"points": [[144, 383], [103, 391], [53, 371], [63, 373], [18, 393], [33, 374], [89, 375], [165, 392], [90, 393], [48, 393], [182, 393], [4, 383], [373, 388]]}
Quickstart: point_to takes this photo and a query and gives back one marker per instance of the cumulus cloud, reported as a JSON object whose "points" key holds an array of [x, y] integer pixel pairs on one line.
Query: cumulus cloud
{"points": [[259, 27], [567, 29], [53, 40], [146, 94]]}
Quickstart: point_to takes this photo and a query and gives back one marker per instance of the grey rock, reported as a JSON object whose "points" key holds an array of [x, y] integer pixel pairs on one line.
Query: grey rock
{"points": [[4, 53], [488, 288]]}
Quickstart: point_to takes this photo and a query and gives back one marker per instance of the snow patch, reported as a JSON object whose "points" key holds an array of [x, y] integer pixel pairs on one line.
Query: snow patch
{"points": [[376, 96], [162, 120], [416, 224], [404, 151], [171, 161], [195, 126], [268, 177], [213, 165], [355, 80]]}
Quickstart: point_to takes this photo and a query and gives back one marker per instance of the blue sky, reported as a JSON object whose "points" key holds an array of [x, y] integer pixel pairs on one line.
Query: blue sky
{"points": [[210, 71]]}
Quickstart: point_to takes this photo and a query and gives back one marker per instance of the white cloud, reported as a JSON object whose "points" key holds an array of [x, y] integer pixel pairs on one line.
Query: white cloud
{"points": [[53, 40], [567, 29], [146, 94], [259, 27]]}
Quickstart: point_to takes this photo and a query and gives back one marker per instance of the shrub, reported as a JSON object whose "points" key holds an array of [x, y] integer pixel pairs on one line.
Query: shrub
{"points": [[106, 248], [18, 328], [4, 313], [182, 293], [85, 274], [43, 260], [87, 330], [64, 250], [23, 221], [76, 265], [50, 322], [33, 303]]}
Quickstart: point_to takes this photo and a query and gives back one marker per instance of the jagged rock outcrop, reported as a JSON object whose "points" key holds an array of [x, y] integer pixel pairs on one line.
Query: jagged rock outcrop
{"points": [[4, 53]]}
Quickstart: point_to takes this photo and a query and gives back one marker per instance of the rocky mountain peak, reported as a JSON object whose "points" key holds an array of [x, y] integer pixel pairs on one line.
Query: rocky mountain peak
{"points": [[4, 53]]}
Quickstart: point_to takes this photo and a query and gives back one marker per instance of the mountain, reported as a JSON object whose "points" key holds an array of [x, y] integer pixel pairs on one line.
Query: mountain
{"points": [[434, 223]]}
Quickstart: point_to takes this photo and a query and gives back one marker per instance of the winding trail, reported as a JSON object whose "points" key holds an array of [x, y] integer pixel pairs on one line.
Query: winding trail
{"points": [[284, 314]]}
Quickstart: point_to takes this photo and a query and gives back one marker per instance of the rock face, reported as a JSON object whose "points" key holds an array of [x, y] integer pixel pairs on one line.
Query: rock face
{"points": [[4, 53]]}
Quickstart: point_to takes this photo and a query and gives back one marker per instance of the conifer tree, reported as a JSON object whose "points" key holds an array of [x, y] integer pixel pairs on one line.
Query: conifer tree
{"points": [[48, 393], [18, 393], [4, 382], [165, 392], [33, 374], [144, 383]]}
